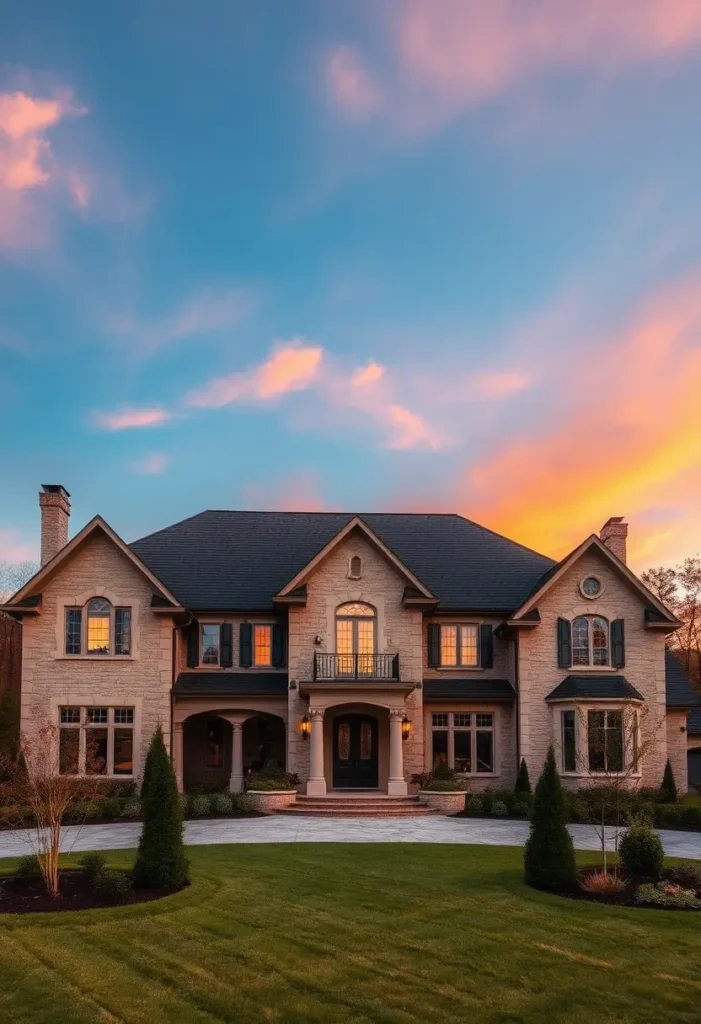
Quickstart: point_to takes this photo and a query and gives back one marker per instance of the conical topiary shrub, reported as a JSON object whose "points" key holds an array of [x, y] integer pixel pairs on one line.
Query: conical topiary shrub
{"points": [[160, 862], [668, 789], [523, 783], [549, 854]]}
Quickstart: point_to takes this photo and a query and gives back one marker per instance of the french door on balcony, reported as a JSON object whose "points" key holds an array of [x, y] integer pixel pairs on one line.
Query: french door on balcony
{"points": [[355, 639]]}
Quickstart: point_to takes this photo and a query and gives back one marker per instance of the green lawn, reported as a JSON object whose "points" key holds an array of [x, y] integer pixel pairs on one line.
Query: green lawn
{"points": [[352, 933]]}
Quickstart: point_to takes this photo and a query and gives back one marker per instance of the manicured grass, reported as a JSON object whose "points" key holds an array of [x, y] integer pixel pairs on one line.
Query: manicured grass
{"points": [[352, 933]]}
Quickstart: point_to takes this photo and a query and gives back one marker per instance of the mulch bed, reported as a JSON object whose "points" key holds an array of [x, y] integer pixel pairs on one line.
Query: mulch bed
{"points": [[625, 898], [20, 896]]}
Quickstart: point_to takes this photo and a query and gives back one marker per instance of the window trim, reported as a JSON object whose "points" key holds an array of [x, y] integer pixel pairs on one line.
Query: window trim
{"points": [[269, 627], [458, 623], [210, 664], [590, 665], [473, 729], [597, 595], [355, 575], [581, 711], [115, 605], [83, 725]]}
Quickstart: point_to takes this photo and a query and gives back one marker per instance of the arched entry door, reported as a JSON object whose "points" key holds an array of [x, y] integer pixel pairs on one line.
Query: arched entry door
{"points": [[355, 752]]}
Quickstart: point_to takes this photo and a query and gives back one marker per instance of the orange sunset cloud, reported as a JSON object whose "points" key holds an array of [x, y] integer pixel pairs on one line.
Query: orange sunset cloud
{"points": [[624, 438]]}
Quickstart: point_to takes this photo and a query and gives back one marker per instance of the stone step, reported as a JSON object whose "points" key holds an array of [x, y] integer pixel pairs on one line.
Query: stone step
{"points": [[365, 801], [417, 811]]}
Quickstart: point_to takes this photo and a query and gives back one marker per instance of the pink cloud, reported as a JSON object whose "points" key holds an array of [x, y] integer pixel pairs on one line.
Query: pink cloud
{"points": [[130, 418], [409, 430], [350, 84], [370, 374], [293, 366], [27, 165], [151, 465], [298, 492], [13, 549], [498, 383], [454, 55]]}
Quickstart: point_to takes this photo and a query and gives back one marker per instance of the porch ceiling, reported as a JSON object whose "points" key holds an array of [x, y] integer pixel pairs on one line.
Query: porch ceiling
{"points": [[192, 684]]}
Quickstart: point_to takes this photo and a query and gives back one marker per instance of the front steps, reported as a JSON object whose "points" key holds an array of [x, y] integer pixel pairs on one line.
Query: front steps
{"points": [[359, 805]]}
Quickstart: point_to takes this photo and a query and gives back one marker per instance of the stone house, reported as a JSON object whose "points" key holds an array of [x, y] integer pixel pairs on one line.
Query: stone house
{"points": [[355, 650]]}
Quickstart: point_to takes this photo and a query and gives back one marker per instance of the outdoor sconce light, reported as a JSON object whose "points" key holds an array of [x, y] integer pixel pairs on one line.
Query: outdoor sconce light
{"points": [[406, 728], [306, 727]]}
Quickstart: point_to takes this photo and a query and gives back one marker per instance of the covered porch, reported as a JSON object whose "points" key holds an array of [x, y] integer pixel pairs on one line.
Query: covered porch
{"points": [[216, 743], [356, 740]]}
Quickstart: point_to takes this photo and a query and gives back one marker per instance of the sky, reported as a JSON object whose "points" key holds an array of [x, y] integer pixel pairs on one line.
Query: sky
{"points": [[395, 256]]}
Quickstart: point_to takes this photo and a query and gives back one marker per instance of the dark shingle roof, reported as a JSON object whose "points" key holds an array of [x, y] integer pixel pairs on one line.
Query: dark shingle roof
{"points": [[230, 683], [679, 691], [594, 687], [239, 560], [469, 689]]}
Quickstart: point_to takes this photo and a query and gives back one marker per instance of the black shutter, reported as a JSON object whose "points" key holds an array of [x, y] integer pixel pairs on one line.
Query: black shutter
{"points": [[486, 646], [279, 652], [618, 644], [193, 645], [226, 651], [564, 643], [434, 645], [245, 645]]}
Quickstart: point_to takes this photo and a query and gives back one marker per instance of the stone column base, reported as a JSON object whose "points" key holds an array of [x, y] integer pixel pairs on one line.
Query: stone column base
{"points": [[316, 787], [397, 787], [236, 784]]}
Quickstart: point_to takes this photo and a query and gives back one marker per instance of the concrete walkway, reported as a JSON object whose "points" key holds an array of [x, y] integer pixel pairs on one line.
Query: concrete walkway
{"points": [[283, 829]]}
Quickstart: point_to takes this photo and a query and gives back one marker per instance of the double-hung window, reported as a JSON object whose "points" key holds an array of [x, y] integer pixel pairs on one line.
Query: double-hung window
{"points": [[606, 741], [464, 740], [96, 741], [262, 645], [459, 645], [210, 643]]}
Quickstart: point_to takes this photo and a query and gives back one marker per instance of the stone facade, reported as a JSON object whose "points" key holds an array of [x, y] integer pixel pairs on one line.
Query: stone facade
{"points": [[51, 679], [143, 680], [539, 673]]}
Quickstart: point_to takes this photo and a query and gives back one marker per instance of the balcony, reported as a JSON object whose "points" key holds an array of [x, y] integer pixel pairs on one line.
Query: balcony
{"points": [[349, 667]]}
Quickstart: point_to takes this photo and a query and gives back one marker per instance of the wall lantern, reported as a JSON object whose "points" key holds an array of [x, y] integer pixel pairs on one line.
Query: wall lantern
{"points": [[306, 726], [406, 728]]}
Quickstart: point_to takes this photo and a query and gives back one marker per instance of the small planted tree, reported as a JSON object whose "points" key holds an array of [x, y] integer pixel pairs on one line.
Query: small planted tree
{"points": [[668, 789], [160, 862], [548, 860], [523, 783], [42, 788]]}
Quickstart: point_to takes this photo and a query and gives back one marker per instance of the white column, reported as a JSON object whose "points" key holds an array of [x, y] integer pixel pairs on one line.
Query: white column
{"points": [[316, 783], [178, 754], [396, 783], [236, 779]]}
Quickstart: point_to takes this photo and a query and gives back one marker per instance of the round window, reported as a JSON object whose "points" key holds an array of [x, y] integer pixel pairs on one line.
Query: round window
{"points": [[591, 586]]}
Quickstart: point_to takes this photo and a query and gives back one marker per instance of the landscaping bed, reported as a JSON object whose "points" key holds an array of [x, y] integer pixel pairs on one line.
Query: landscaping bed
{"points": [[21, 895], [664, 894]]}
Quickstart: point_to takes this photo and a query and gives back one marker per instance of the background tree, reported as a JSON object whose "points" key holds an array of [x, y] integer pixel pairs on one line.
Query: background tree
{"points": [[548, 859], [160, 861], [13, 575], [679, 588]]}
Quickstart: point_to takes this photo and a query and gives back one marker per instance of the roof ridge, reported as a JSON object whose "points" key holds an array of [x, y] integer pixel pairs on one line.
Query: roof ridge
{"points": [[164, 529], [502, 536]]}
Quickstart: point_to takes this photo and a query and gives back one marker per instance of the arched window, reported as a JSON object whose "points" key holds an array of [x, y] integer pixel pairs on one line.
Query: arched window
{"points": [[355, 567], [590, 641], [99, 614], [355, 638]]}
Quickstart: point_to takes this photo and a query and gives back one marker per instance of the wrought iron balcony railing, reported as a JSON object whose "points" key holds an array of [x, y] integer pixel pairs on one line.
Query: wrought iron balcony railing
{"points": [[356, 666]]}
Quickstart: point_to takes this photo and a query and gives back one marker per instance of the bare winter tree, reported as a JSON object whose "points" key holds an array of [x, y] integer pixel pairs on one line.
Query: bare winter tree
{"points": [[13, 575], [679, 587], [611, 761]]}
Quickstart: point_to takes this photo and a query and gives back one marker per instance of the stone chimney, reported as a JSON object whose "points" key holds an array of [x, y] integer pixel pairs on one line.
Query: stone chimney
{"points": [[55, 511], [613, 534]]}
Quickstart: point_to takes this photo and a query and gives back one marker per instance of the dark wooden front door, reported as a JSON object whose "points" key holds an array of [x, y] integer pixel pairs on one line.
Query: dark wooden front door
{"points": [[355, 752]]}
